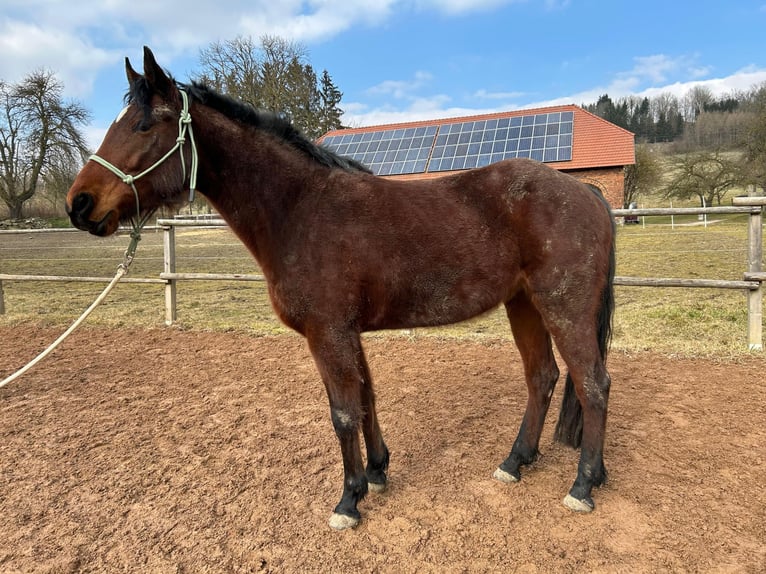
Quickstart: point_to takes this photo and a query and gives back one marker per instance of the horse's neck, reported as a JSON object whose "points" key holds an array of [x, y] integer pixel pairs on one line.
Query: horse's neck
{"points": [[252, 180]]}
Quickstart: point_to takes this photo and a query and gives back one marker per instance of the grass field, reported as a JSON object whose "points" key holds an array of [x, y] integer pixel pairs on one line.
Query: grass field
{"points": [[671, 321]]}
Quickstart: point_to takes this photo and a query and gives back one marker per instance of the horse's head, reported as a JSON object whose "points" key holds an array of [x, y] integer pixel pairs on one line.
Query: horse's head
{"points": [[137, 168]]}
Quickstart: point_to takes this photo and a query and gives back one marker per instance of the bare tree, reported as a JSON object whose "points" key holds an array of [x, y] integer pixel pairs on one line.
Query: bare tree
{"points": [[643, 177], [695, 101], [273, 75], [703, 174], [754, 139], [233, 67], [38, 132], [715, 130], [281, 71], [55, 183]]}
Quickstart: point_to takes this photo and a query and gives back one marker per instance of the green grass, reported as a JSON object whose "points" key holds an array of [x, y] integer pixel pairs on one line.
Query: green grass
{"points": [[670, 321], [676, 320]]}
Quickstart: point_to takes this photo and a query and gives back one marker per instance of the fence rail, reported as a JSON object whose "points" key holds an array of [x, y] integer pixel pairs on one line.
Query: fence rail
{"points": [[753, 277]]}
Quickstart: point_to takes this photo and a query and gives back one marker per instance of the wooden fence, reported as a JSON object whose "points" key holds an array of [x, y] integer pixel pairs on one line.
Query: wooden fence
{"points": [[752, 282]]}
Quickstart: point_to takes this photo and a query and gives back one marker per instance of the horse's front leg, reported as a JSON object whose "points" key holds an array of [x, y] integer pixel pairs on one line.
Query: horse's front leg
{"points": [[340, 361]]}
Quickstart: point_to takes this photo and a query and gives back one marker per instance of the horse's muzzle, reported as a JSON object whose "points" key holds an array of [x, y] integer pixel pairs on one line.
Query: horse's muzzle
{"points": [[82, 207]]}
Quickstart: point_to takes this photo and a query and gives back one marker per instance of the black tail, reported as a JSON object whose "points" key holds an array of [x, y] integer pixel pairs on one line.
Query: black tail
{"points": [[569, 427]]}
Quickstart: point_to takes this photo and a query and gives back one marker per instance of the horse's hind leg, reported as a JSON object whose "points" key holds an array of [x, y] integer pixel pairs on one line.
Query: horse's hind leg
{"points": [[590, 382], [377, 452], [541, 373]]}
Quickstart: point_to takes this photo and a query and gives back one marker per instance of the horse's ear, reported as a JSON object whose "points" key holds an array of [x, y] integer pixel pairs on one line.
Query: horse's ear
{"points": [[157, 78], [131, 73]]}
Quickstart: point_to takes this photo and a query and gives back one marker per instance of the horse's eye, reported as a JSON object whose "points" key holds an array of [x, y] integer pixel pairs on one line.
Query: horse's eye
{"points": [[142, 126]]}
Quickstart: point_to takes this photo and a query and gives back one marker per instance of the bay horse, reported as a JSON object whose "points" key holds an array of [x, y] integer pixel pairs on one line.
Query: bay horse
{"points": [[344, 251]]}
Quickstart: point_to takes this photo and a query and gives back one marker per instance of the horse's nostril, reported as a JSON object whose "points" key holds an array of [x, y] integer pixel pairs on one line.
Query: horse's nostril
{"points": [[82, 204]]}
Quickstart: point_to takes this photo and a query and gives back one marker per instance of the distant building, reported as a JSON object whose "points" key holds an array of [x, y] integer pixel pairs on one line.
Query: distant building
{"points": [[567, 138]]}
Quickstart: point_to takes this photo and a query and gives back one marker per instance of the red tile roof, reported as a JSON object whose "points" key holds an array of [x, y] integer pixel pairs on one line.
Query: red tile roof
{"points": [[596, 143]]}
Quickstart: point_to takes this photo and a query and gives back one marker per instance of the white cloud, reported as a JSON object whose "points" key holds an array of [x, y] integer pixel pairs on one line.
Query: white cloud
{"points": [[507, 96], [322, 19], [28, 47], [658, 68], [401, 89], [655, 67], [438, 107], [423, 109], [463, 6], [654, 70], [78, 40], [556, 4], [740, 81]]}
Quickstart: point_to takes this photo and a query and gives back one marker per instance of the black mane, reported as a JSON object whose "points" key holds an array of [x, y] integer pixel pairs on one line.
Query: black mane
{"points": [[268, 121]]}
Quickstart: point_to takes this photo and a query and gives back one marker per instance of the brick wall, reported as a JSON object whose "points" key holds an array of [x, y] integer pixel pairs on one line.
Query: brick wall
{"points": [[611, 182]]}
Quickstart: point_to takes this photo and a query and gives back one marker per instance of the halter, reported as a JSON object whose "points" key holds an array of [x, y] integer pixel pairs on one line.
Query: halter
{"points": [[184, 127]]}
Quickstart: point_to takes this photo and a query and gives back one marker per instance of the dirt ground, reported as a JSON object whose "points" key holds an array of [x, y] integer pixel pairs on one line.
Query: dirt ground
{"points": [[169, 451]]}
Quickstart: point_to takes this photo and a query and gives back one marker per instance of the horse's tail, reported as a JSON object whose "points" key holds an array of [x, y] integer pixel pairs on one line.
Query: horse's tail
{"points": [[569, 427]]}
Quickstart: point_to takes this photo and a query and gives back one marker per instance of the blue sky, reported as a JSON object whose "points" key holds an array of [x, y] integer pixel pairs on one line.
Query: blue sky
{"points": [[404, 60]]}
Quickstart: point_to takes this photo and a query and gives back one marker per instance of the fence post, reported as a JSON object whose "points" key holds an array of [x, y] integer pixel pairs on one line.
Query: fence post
{"points": [[2, 299], [754, 265], [169, 266]]}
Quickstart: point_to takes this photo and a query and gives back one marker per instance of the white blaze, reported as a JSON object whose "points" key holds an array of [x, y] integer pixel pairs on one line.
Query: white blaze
{"points": [[121, 114]]}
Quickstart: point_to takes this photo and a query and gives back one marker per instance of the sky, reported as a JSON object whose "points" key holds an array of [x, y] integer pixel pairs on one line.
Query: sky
{"points": [[403, 60]]}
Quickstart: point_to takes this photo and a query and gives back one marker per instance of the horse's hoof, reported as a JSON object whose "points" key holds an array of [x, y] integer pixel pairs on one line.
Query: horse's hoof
{"points": [[342, 521], [576, 505], [505, 477], [376, 487]]}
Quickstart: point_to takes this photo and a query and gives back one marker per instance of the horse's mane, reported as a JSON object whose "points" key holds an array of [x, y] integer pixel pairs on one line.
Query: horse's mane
{"points": [[244, 113]]}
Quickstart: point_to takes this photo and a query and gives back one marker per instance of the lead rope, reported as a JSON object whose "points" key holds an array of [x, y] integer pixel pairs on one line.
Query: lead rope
{"points": [[184, 127], [122, 269]]}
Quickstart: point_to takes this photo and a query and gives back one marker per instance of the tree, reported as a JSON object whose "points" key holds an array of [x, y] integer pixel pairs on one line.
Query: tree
{"points": [[273, 75], [302, 98], [603, 108], [330, 114], [233, 67], [696, 100], [642, 177], [56, 181], [38, 133], [754, 139], [641, 121], [280, 70], [715, 130], [704, 174]]}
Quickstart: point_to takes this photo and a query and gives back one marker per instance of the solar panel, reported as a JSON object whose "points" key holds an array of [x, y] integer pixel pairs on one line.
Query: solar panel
{"points": [[465, 145], [387, 152], [545, 137]]}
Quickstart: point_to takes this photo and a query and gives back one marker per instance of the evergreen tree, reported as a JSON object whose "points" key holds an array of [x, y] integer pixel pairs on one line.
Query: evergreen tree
{"points": [[330, 113], [604, 107], [644, 122], [663, 131]]}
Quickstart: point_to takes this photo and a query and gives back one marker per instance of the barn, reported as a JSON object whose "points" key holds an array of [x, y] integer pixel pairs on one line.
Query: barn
{"points": [[567, 138]]}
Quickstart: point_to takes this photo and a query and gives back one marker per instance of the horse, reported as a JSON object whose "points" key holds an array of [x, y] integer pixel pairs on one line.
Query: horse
{"points": [[345, 252]]}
